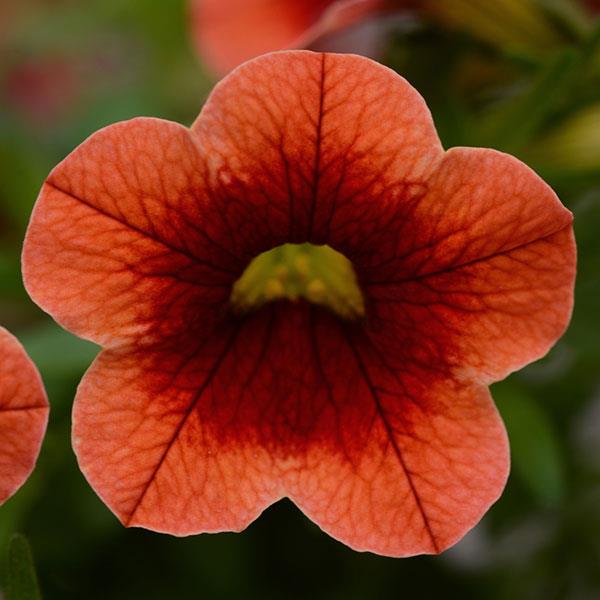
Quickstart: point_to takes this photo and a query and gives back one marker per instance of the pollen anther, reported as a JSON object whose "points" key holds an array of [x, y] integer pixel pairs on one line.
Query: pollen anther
{"points": [[318, 274]]}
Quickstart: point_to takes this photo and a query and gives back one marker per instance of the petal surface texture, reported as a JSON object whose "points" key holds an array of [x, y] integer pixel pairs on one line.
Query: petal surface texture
{"points": [[23, 415], [229, 32], [382, 430]]}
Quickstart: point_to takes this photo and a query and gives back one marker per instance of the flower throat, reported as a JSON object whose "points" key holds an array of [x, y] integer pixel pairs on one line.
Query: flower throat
{"points": [[318, 274]]}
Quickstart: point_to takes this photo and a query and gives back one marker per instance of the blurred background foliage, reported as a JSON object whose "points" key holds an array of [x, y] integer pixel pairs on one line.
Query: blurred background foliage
{"points": [[518, 75]]}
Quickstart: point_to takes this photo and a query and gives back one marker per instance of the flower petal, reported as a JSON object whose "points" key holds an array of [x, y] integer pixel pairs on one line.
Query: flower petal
{"points": [[119, 247], [312, 147], [290, 402], [229, 32], [420, 457], [483, 271], [23, 415], [144, 431]]}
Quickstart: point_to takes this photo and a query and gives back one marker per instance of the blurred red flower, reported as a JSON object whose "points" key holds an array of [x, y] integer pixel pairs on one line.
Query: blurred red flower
{"points": [[42, 89], [229, 32], [23, 415], [593, 5], [379, 426]]}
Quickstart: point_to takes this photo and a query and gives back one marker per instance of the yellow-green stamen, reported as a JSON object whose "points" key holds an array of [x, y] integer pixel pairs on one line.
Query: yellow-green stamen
{"points": [[318, 274]]}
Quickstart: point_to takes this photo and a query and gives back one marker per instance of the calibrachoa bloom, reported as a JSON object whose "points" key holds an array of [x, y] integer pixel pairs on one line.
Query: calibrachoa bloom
{"points": [[301, 296], [229, 32], [23, 415]]}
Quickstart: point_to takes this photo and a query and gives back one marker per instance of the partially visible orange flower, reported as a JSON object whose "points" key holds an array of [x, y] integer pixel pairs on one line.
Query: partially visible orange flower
{"points": [[23, 415], [229, 32]]}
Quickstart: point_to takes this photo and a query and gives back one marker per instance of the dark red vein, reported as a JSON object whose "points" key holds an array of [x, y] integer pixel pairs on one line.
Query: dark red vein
{"points": [[465, 264], [392, 439], [143, 233], [193, 404], [317, 165]]}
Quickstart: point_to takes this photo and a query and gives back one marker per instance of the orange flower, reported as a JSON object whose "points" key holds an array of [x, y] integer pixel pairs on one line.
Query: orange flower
{"points": [[23, 415], [229, 32], [352, 377]]}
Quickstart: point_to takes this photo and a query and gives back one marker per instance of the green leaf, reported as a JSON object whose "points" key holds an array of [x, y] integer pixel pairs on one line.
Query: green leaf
{"points": [[516, 122], [22, 581], [535, 450]]}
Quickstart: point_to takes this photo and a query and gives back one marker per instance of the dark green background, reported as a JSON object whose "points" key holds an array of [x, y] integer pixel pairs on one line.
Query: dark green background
{"points": [[68, 68]]}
